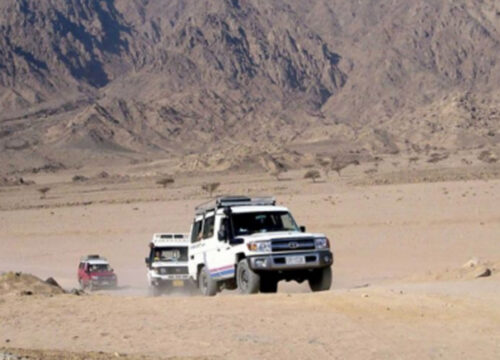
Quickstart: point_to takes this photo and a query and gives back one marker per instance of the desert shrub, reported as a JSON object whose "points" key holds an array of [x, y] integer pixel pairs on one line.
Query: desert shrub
{"points": [[102, 175], [437, 157], [487, 156], [79, 178], [277, 173], [413, 160], [166, 181], [312, 174], [325, 164], [43, 191], [210, 187]]}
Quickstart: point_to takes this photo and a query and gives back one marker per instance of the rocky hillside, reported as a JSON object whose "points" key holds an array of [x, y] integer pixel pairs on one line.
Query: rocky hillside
{"points": [[221, 84]]}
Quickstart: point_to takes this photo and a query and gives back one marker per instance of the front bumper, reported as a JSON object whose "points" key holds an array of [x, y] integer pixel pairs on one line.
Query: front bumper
{"points": [[281, 261], [104, 283], [164, 278]]}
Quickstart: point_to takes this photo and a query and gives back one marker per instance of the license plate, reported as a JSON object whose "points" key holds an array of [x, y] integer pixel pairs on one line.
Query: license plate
{"points": [[178, 283], [295, 260], [104, 283]]}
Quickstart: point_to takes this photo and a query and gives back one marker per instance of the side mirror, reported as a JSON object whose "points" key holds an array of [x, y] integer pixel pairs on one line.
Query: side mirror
{"points": [[222, 235], [236, 241], [302, 229]]}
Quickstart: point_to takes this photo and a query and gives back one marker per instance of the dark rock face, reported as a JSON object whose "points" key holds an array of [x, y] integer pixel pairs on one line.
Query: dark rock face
{"points": [[130, 77]]}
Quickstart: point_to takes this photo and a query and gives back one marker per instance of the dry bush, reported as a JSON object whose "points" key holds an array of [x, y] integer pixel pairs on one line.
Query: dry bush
{"points": [[210, 187], [325, 163], [313, 175], [43, 191], [277, 173], [165, 181], [488, 157], [413, 160], [437, 157], [79, 178], [339, 164]]}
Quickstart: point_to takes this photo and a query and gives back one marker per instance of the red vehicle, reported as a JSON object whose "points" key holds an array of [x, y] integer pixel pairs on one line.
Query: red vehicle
{"points": [[94, 273]]}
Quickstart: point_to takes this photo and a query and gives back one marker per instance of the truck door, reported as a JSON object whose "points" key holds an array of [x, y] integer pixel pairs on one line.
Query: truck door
{"points": [[219, 255], [196, 247]]}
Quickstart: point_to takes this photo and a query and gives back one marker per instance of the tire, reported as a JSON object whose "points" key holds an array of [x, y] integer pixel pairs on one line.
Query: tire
{"points": [[206, 284], [321, 280], [248, 281], [268, 285]]}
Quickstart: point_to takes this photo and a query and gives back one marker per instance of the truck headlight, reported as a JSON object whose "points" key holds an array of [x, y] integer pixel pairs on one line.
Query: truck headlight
{"points": [[322, 243], [261, 246]]}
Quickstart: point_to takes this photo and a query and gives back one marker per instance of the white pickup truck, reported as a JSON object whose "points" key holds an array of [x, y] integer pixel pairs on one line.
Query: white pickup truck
{"points": [[251, 244], [167, 263]]}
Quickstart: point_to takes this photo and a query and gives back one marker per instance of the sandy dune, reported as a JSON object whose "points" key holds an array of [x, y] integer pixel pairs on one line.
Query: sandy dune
{"points": [[392, 298]]}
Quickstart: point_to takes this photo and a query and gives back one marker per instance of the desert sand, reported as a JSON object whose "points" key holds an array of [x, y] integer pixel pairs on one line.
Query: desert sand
{"points": [[402, 284]]}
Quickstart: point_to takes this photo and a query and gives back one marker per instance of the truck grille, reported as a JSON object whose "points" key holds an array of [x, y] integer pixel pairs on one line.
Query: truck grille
{"points": [[173, 270], [297, 244]]}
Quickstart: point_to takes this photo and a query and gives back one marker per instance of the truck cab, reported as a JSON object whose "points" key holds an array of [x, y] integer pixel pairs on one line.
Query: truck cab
{"points": [[167, 262], [251, 244]]}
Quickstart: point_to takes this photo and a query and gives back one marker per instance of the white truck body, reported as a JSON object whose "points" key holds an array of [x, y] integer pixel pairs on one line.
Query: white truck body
{"points": [[257, 234], [167, 263]]}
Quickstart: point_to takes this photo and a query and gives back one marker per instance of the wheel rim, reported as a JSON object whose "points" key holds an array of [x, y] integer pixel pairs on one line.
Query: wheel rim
{"points": [[244, 279]]}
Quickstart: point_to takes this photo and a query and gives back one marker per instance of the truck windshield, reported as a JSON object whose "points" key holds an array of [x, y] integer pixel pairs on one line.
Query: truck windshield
{"points": [[258, 222], [98, 267], [170, 253]]}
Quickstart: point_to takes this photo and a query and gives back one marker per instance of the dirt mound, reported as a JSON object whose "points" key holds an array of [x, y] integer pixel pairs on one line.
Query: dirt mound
{"points": [[15, 283], [472, 269]]}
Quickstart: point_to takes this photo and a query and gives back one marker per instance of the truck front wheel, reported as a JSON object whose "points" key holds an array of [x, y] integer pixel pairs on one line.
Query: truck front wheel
{"points": [[207, 285], [248, 281], [321, 280]]}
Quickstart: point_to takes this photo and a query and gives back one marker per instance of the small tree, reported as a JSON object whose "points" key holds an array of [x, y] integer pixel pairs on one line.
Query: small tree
{"points": [[339, 165], [313, 175], [413, 160], [44, 192], [165, 181], [326, 164], [210, 187], [277, 173]]}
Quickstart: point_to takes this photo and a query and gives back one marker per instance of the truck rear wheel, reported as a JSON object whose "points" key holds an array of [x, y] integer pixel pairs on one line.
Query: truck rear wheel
{"points": [[248, 281], [321, 280], [207, 285], [268, 285]]}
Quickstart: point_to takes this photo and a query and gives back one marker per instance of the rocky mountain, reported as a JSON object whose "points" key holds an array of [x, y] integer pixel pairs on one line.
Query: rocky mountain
{"points": [[234, 83]]}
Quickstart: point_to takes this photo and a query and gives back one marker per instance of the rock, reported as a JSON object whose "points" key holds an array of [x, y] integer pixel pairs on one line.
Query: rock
{"points": [[53, 282], [364, 295], [473, 262], [76, 292], [482, 271]]}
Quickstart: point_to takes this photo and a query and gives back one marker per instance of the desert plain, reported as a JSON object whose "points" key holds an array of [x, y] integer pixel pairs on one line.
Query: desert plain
{"points": [[408, 271]]}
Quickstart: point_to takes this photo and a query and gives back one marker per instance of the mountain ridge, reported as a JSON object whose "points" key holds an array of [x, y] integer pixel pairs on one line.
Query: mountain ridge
{"points": [[120, 80]]}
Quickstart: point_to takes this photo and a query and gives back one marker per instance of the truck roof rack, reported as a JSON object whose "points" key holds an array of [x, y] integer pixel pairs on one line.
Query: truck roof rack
{"points": [[92, 257], [230, 201], [164, 238]]}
